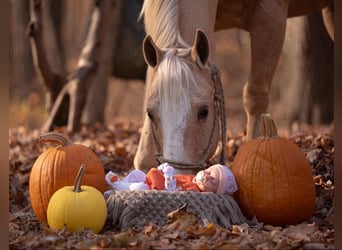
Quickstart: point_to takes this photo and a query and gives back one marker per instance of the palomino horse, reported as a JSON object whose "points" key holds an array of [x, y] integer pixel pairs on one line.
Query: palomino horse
{"points": [[183, 101]]}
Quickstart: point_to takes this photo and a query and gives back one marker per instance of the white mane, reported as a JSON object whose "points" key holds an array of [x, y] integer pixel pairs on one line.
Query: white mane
{"points": [[161, 23]]}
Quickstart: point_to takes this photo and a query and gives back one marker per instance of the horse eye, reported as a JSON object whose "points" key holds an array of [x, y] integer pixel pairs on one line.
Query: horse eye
{"points": [[150, 115], [202, 113]]}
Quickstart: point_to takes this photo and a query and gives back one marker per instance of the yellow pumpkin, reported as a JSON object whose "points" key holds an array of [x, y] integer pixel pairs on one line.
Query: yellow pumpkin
{"points": [[57, 167], [77, 207], [274, 178]]}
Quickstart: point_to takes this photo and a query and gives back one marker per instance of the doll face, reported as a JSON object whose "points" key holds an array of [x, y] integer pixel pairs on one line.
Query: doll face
{"points": [[208, 180]]}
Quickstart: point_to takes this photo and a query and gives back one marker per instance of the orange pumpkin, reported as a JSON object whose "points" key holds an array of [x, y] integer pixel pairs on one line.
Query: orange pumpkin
{"points": [[275, 182], [57, 167]]}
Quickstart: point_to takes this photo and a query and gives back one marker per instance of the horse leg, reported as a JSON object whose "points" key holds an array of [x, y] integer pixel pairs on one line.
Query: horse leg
{"points": [[267, 28], [144, 158], [328, 18]]}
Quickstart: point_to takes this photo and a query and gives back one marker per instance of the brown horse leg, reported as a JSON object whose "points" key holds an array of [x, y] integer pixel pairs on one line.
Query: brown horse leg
{"points": [[328, 18], [267, 28], [144, 158]]}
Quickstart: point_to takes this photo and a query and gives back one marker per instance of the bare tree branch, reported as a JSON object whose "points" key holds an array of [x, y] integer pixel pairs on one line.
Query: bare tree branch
{"points": [[52, 80], [51, 42]]}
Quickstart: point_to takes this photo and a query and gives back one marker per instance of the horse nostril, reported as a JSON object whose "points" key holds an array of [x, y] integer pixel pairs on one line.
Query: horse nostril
{"points": [[202, 113]]}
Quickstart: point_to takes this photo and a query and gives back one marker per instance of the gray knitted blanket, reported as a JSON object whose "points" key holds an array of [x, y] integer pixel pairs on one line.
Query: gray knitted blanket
{"points": [[135, 209]]}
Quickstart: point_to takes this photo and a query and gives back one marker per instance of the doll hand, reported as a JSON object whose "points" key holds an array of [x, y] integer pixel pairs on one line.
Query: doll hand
{"points": [[111, 177], [170, 182], [163, 166]]}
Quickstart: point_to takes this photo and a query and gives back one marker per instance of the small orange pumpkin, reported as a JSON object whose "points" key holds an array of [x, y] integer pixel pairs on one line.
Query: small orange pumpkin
{"points": [[57, 167], [274, 178]]}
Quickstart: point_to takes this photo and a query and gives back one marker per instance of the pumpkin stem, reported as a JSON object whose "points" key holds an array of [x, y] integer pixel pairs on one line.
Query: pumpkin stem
{"points": [[78, 180], [268, 128], [55, 137]]}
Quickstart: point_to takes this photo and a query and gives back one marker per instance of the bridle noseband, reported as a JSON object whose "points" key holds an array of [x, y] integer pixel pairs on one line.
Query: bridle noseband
{"points": [[219, 104]]}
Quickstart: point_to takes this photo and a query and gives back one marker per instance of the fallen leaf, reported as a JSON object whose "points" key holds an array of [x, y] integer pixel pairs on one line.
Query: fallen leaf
{"points": [[243, 228], [184, 218], [210, 229]]}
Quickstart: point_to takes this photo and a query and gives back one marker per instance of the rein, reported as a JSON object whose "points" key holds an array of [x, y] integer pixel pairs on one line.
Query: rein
{"points": [[219, 104]]}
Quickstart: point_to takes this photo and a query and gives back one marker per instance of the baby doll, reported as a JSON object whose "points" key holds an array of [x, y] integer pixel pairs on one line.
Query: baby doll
{"points": [[217, 178]]}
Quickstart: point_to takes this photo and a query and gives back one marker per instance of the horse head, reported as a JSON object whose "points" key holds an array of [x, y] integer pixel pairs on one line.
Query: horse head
{"points": [[181, 105]]}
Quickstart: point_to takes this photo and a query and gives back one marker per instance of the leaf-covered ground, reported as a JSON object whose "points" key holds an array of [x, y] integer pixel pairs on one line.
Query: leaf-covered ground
{"points": [[116, 146]]}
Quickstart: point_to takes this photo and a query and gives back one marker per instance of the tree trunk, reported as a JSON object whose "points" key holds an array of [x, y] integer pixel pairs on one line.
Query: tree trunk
{"points": [[22, 70], [320, 61], [306, 72], [51, 10], [53, 79], [97, 97]]}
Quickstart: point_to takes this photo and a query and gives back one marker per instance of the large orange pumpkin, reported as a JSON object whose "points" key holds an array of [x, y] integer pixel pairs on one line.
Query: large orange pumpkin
{"points": [[57, 167], [275, 182]]}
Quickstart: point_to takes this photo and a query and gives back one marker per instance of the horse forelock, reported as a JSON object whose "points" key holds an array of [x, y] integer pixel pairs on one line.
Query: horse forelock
{"points": [[175, 80]]}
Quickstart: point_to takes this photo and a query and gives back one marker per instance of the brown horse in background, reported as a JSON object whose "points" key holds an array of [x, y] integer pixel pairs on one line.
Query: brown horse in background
{"points": [[184, 102]]}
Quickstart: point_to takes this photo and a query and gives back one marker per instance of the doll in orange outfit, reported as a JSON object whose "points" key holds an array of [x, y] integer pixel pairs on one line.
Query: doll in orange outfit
{"points": [[217, 178]]}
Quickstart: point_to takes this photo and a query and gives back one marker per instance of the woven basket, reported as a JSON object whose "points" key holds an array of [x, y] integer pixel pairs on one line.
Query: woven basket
{"points": [[136, 209]]}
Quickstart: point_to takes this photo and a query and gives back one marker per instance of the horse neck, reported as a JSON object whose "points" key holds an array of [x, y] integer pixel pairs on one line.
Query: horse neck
{"points": [[173, 23], [199, 14]]}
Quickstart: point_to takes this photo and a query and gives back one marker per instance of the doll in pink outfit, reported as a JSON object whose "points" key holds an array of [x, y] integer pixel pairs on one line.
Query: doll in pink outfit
{"points": [[217, 178]]}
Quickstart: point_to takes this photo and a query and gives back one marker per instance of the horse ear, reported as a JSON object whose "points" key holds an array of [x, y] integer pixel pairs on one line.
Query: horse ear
{"points": [[200, 48], [152, 54]]}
